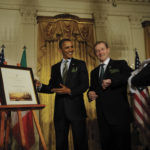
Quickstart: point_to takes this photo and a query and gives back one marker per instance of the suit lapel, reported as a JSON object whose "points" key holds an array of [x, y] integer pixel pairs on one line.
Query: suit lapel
{"points": [[97, 73], [58, 72], [71, 65]]}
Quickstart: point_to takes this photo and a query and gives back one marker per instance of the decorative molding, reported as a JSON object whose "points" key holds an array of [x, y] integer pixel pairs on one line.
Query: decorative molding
{"points": [[64, 16], [125, 8], [119, 46], [28, 15], [136, 21], [133, 1], [100, 20]]}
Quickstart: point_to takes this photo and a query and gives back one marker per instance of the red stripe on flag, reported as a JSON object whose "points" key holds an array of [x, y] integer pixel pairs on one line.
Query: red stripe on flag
{"points": [[145, 94], [141, 106], [28, 130], [142, 99], [141, 111], [145, 120], [138, 100], [138, 113]]}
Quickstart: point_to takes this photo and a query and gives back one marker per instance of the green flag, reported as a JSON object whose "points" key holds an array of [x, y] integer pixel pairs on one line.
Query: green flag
{"points": [[23, 62]]}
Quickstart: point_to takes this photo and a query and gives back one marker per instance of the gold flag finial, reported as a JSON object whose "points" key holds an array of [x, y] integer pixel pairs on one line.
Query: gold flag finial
{"points": [[24, 47]]}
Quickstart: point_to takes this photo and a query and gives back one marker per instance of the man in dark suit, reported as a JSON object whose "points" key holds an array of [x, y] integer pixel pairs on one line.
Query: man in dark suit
{"points": [[69, 80], [143, 77], [109, 89]]}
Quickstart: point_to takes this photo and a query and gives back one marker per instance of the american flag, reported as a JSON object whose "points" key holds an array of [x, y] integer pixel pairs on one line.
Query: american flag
{"points": [[2, 58], [142, 106]]}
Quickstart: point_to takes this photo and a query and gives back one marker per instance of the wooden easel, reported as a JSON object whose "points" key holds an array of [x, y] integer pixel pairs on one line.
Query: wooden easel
{"points": [[5, 112]]}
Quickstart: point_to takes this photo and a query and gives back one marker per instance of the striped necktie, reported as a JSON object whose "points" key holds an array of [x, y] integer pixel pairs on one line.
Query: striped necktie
{"points": [[65, 70]]}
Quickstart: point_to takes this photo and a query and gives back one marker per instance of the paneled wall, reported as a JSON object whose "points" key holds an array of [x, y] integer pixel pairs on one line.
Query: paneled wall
{"points": [[11, 34], [120, 26]]}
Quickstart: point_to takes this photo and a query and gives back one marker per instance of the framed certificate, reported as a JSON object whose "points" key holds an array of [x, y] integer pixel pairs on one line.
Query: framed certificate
{"points": [[17, 86]]}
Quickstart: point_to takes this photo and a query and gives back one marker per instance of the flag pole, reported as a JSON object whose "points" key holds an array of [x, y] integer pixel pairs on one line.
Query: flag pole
{"points": [[2, 58]]}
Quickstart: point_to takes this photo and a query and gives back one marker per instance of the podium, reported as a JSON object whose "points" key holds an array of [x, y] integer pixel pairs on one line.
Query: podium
{"points": [[5, 114]]}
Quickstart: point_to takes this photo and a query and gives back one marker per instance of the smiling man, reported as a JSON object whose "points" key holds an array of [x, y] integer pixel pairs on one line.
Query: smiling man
{"points": [[109, 89], [69, 80]]}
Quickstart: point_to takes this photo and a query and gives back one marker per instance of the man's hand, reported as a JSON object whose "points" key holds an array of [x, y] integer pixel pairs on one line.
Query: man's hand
{"points": [[106, 83], [62, 90], [92, 95], [37, 83]]}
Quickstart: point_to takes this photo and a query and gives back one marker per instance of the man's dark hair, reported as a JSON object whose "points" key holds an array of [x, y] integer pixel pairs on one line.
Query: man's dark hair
{"points": [[99, 42], [62, 41]]}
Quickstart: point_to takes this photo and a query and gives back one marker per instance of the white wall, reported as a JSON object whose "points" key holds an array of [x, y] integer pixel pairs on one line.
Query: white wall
{"points": [[11, 34], [120, 26]]}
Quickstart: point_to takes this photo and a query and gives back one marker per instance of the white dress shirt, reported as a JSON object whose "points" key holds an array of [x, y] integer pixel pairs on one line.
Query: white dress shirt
{"points": [[105, 65], [62, 64]]}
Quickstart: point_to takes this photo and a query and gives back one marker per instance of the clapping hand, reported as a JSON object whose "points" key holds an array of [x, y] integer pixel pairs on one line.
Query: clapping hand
{"points": [[92, 95], [106, 83]]}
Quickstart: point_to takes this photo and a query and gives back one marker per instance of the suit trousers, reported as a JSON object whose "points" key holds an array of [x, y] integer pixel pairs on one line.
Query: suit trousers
{"points": [[114, 137], [79, 133]]}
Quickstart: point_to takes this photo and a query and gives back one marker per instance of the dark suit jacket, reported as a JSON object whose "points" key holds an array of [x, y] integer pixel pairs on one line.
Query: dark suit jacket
{"points": [[112, 103], [71, 106], [142, 78]]}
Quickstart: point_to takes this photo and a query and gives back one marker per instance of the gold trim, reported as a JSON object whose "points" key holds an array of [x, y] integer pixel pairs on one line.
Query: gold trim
{"points": [[52, 19]]}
